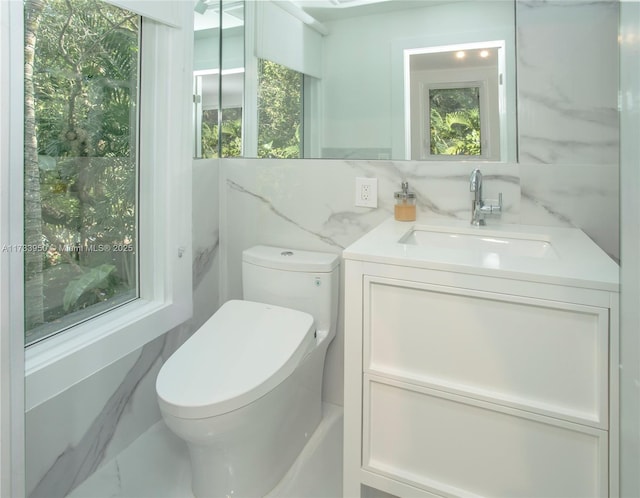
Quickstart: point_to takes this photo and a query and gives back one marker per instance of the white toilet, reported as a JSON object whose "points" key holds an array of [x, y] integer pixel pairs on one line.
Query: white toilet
{"points": [[245, 390]]}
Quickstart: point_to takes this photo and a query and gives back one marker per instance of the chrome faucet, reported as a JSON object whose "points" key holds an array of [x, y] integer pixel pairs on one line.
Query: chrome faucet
{"points": [[479, 208]]}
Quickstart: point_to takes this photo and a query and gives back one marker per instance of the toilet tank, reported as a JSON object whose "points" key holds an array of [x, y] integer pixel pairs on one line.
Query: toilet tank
{"points": [[301, 280]]}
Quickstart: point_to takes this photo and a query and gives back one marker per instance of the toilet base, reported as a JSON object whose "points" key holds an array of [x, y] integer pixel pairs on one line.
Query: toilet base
{"points": [[245, 453]]}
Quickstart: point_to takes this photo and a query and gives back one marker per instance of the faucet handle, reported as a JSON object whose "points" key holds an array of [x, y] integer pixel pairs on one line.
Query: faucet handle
{"points": [[489, 207], [494, 208]]}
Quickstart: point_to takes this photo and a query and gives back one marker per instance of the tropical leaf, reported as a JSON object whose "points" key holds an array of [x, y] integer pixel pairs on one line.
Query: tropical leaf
{"points": [[232, 128], [458, 133], [95, 278]]}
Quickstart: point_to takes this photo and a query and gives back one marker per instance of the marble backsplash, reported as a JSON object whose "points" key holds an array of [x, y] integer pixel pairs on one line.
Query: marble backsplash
{"points": [[309, 204]]}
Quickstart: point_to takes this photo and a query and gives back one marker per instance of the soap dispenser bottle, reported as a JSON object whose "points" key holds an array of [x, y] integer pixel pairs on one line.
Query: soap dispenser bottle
{"points": [[405, 208]]}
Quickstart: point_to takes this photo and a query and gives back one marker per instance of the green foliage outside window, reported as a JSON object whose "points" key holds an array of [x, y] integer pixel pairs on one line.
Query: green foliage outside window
{"points": [[455, 121], [280, 93], [81, 83], [280, 104], [231, 133]]}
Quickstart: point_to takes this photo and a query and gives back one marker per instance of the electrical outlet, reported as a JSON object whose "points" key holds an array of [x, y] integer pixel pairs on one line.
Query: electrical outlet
{"points": [[367, 192]]}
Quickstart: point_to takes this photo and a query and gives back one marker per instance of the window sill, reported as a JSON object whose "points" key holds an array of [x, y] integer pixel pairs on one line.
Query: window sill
{"points": [[54, 365]]}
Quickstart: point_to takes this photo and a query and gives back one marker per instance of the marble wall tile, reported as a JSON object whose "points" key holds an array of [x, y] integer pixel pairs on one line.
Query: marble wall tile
{"points": [[309, 204], [206, 240], [60, 422], [567, 81], [585, 196], [66, 442]]}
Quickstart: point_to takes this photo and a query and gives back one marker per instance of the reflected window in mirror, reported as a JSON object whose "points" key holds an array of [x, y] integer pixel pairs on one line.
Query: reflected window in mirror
{"points": [[218, 78], [280, 111], [217, 133], [229, 136], [453, 116], [454, 102]]}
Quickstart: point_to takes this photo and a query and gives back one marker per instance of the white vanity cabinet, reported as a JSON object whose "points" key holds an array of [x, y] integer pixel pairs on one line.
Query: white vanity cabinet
{"points": [[465, 382]]}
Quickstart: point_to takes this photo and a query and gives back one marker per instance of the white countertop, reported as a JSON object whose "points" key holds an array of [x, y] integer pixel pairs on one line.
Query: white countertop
{"points": [[573, 259]]}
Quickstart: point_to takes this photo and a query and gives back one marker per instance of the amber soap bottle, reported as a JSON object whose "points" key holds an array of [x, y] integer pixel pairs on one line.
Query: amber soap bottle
{"points": [[405, 208]]}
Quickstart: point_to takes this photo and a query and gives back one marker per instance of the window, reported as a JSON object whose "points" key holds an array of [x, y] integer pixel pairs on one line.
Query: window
{"points": [[454, 121], [81, 162], [160, 105], [280, 117]]}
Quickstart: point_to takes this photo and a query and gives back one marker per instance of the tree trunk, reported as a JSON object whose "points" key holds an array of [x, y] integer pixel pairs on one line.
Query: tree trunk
{"points": [[33, 299]]}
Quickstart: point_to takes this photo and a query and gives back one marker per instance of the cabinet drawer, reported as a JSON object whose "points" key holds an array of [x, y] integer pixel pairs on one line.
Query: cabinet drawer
{"points": [[451, 445], [545, 356]]}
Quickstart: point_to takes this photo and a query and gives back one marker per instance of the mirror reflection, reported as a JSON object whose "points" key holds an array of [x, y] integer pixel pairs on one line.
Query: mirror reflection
{"points": [[352, 79], [324, 79], [218, 78], [455, 102]]}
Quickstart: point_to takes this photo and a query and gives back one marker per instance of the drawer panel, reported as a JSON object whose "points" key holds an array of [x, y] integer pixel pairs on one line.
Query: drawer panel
{"points": [[455, 446], [544, 356]]}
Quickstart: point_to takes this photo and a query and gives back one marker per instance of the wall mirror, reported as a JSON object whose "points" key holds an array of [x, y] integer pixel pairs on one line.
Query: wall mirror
{"points": [[218, 78], [334, 79]]}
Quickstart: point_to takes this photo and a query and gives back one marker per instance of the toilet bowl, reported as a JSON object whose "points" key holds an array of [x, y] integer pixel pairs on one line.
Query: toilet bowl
{"points": [[244, 391]]}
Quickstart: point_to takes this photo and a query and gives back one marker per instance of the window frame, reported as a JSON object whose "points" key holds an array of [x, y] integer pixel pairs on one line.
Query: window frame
{"points": [[165, 266], [48, 329], [12, 472]]}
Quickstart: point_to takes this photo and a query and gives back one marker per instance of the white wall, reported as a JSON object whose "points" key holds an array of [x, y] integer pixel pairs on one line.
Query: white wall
{"points": [[362, 88], [206, 49], [5, 372], [5, 343], [630, 248]]}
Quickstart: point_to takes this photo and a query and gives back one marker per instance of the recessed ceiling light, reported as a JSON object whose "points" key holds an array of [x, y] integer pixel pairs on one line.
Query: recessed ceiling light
{"points": [[484, 54], [460, 54]]}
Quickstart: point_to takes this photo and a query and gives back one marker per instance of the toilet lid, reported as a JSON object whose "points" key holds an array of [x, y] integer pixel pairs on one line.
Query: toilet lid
{"points": [[242, 352]]}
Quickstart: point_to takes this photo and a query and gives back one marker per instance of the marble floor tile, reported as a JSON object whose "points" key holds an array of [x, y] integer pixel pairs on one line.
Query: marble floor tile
{"points": [[156, 465]]}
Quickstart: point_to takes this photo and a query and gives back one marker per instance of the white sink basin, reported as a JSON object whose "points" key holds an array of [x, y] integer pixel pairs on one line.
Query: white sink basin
{"points": [[555, 255], [474, 240]]}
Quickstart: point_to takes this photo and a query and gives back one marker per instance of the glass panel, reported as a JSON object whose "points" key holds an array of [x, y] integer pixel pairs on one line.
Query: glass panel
{"points": [[280, 104], [218, 86], [454, 121], [206, 83], [363, 103], [232, 77], [81, 119]]}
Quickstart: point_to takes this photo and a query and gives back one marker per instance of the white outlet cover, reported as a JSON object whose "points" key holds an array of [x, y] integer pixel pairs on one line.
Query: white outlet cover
{"points": [[366, 192]]}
